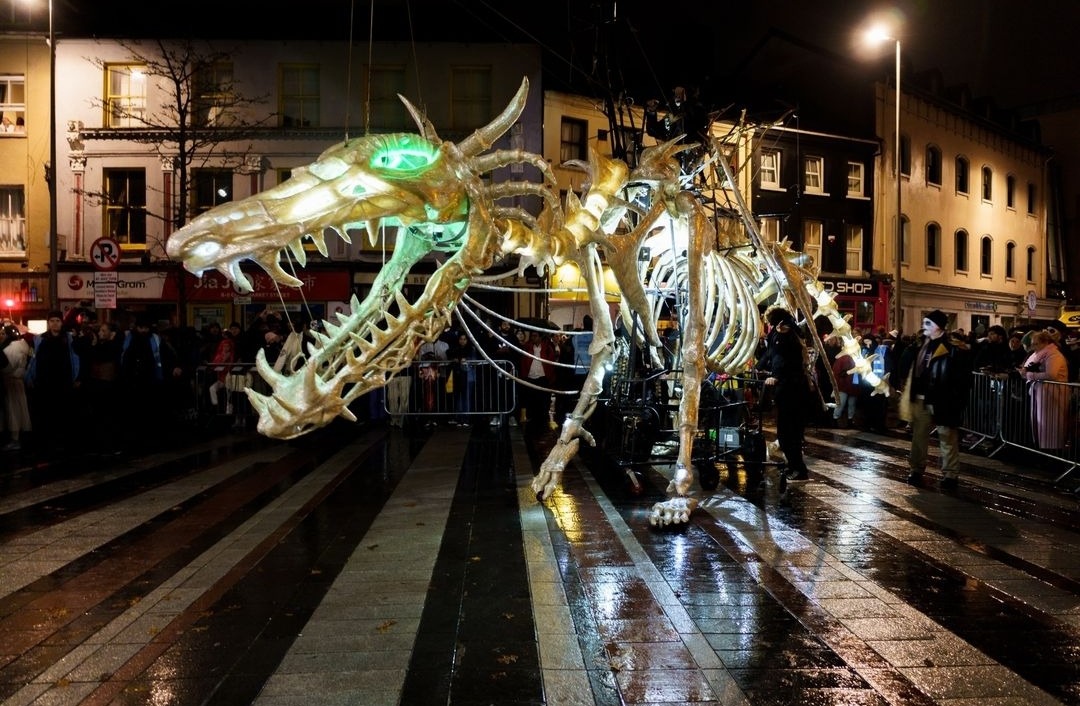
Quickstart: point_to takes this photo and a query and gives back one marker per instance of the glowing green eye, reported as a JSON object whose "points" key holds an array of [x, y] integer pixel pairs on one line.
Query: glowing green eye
{"points": [[404, 156]]}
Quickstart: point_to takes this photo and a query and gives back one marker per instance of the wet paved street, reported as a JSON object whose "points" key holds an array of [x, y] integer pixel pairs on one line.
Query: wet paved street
{"points": [[369, 565]]}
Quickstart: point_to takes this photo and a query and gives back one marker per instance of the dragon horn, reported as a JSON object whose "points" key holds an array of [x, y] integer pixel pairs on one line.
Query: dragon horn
{"points": [[427, 130], [485, 137]]}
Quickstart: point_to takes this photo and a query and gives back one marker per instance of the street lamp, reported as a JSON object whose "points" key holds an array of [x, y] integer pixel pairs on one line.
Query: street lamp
{"points": [[53, 170], [877, 35]]}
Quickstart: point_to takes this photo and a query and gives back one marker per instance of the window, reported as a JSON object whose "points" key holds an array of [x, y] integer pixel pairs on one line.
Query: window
{"points": [[812, 231], [814, 171], [211, 93], [387, 111], [12, 221], [961, 251], [1010, 264], [770, 229], [905, 155], [856, 177], [298, 91], [987, 184], [1010, 191], [933, 245], [933, 165], [210, 187], [470, 97], [962, 175], [1031, 263], [986, 256], [1031, 199], [572, 139], [125, 100], [770, 169], [854, 240], [12, 105], [125, 206]]}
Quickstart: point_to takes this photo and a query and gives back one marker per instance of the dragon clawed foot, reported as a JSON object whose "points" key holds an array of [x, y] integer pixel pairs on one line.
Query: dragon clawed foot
{"points": [[551, 470], [672, 511]]}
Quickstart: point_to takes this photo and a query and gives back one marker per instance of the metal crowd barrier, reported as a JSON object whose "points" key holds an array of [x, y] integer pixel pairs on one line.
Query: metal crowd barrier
{"points": [[445, 388], [1041, 417]]}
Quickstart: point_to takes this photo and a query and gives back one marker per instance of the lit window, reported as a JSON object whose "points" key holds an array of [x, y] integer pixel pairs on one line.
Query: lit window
{"points": [[12, 221], [125, 100], [856, 174], [814, 180], [854, 239], [770, 229], [812, 232], [572, 139], [12, 105], [770, 169]]}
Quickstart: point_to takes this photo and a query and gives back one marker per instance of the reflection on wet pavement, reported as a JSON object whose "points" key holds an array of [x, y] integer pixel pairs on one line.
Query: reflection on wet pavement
{"points": [[377, 565]]}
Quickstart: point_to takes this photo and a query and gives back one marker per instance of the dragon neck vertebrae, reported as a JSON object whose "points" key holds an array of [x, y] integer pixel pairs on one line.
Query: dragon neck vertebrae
{"points": [[643, 223]]}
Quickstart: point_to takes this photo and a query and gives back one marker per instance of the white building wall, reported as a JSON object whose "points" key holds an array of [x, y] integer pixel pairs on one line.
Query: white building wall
{"points": [[81, 87]]}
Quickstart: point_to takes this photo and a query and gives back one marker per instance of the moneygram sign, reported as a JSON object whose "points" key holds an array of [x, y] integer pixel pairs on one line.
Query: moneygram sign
{"points": [[129, 285], [324, 285]]}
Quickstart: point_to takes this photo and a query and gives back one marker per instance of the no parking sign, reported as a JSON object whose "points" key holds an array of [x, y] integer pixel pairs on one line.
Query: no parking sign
{"points": [[105, 254]]}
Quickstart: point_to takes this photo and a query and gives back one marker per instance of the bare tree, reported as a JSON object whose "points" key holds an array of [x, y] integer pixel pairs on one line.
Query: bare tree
{"points": [[205, 120]]}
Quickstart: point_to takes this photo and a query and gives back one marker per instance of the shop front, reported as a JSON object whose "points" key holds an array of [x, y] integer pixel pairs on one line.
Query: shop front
{"points": [[866, 300], [172, 297]]}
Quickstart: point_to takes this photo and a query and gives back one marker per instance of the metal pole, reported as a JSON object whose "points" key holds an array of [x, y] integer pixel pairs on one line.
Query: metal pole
{"points": [[53, 169], [898, 310]]}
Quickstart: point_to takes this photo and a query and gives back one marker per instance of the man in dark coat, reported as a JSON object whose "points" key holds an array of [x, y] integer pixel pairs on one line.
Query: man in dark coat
{"points": [[935, 385], [786, 362]]}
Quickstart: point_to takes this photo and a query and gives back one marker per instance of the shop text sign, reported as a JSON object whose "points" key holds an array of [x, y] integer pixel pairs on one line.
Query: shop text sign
{"points": [[127, 285], [212, 287], [850, 287], [318, 286]]}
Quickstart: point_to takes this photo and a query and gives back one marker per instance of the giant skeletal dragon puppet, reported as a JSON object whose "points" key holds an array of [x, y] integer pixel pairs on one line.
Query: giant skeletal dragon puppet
{"points": [[434, 190]]}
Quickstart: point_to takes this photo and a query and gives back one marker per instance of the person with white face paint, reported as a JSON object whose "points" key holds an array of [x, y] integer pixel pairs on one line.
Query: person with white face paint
{"points": [[936, 379]]}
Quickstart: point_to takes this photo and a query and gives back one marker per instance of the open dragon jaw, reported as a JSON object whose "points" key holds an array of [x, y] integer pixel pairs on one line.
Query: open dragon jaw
{"points": [[436, 193]]}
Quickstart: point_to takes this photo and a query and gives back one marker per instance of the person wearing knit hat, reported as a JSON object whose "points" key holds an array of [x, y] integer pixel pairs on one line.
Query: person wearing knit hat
{"points": [[786, 361], [936, 381], [940, 318]]}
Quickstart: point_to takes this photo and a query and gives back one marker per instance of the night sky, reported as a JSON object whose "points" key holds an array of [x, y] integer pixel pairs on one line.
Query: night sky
{"points": [[1017, 53]]}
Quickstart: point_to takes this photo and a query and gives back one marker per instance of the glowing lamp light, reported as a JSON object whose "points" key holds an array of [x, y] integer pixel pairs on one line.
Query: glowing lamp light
{"points": [[9, 303]]}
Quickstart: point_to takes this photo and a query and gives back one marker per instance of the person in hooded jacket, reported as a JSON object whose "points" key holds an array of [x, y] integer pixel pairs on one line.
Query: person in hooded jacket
{"points": [[786, 361]]}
